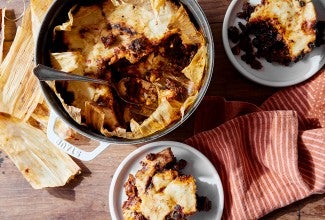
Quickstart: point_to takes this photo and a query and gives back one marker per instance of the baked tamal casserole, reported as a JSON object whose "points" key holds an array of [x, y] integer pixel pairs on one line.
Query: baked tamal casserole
{"points": [[160, 190], [153, 43]]}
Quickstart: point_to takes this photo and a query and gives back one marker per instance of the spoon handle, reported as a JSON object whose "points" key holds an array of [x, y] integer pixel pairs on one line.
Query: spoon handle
{"points": [[45, 73]]}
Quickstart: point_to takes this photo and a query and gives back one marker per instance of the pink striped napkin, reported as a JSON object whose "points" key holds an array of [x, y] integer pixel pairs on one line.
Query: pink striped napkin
{"points": [[268, 156]]}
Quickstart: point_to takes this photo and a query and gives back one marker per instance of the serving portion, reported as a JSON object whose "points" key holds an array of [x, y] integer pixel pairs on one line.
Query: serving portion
{"points": [[155, 44], [273, 42], [161, 180], [178, 178], [283, 31]]}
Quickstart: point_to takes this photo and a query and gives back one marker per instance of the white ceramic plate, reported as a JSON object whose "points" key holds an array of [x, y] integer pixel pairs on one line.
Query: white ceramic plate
{"points": [[207, 178], [271, 74]]}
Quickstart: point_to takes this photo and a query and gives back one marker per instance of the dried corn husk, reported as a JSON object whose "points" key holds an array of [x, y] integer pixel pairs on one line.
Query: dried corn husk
{"points": [[40, 118], [40, 162], [188, 31], [38, 9], [20, 92], [195, 70], [8, 31], [1, 33]]}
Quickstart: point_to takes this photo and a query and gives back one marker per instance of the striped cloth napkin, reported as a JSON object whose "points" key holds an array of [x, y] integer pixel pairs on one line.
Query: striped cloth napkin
{"points": [[267, 156]]}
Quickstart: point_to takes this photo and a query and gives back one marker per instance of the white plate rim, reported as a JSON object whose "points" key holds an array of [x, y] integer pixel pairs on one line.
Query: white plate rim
{"points": [[248, 74], [161, 144]]}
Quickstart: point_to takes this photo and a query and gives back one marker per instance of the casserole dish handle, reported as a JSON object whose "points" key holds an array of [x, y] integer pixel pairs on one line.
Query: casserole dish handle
{"points": [[68, 147]]}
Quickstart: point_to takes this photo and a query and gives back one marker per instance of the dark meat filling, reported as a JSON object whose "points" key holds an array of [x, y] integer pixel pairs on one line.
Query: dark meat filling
{"points": [[140, 47], [138, 91], [178, 54], [246, 12], [203, 203], [244, 44], [269, 43], [177, 214], [181, 92]]}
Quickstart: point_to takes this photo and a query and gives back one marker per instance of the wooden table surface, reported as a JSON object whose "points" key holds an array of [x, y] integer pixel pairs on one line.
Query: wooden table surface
{"points": [[86, 197]]}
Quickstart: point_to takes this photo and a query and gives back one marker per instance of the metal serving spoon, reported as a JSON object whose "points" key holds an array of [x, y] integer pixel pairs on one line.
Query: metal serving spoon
{"points": [[45, 73]]}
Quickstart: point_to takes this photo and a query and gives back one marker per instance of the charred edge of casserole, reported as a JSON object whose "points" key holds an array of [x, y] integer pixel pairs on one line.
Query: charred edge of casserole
{"points": [[132, 194]]}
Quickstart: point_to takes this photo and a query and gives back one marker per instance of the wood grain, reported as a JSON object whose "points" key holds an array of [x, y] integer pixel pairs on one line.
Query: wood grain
{"points": [[86, 197]]}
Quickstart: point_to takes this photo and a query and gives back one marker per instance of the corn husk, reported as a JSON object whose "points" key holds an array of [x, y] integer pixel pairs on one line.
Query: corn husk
{"points": [[1, 33], [8, 31], [195, 70], [188, 31], [20, 92], [40, 162], [38, 10], [40, 118]]}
